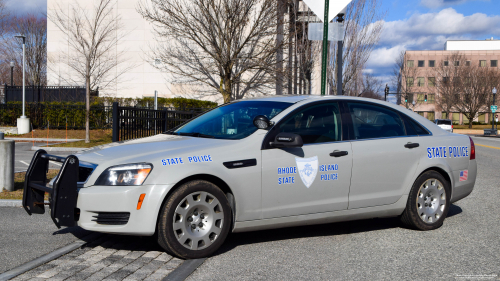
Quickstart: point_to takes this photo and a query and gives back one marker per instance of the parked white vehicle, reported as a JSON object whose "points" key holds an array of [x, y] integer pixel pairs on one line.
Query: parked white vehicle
{"points": [[260, 164], [444, 124]]}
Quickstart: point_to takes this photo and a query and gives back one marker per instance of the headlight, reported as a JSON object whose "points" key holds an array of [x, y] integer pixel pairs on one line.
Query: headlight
{"points": [[130, 174]]}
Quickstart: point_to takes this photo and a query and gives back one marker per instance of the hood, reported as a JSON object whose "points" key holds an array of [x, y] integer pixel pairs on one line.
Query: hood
{"points": [[146, 149]]}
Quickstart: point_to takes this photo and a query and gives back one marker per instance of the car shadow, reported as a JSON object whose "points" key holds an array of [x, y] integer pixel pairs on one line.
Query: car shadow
{"points": [[149, 243], [332, 229]]}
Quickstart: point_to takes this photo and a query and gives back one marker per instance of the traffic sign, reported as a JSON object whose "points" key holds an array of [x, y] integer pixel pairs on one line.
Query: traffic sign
{"points": [[334, 8], [493, 108], [335, 31]]}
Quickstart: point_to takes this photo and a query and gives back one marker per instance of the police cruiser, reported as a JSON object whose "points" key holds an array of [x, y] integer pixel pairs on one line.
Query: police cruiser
{"points": [[260, 164]]}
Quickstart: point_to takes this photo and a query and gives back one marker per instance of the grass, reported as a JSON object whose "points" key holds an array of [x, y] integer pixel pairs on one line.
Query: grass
{"points": [[474, 127], [19, 186], [97, 137]]}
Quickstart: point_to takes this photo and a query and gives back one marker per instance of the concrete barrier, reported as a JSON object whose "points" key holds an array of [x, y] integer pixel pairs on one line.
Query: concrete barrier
{"points": [[7, 149]]}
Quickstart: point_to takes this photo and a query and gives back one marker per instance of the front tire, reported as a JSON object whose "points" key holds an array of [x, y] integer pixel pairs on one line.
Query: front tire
{"points": [[195, 220], [428, 202]]}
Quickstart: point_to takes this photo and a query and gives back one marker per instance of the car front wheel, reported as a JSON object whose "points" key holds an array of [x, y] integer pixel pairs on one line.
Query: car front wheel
{"points": [[428, 202], [195, 220]]}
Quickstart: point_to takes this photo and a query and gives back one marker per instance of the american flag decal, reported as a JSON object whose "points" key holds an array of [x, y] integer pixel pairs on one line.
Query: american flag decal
{"points": [[463, 175]]}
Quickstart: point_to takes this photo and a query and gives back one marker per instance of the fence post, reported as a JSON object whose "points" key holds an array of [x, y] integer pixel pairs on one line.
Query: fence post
{"points": [[165, 120], [116, 122]]}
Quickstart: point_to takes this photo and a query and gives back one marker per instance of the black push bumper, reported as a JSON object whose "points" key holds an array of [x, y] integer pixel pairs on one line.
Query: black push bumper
{"points": [[64, 191]]}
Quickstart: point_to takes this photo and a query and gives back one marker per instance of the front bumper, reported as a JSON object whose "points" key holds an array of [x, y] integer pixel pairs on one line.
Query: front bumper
{"points": [[110, 209], [98, 201]]}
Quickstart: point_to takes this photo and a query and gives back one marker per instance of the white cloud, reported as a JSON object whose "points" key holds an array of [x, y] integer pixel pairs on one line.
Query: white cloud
{"points": [[428, 32], [435, 4], [20, 7]]}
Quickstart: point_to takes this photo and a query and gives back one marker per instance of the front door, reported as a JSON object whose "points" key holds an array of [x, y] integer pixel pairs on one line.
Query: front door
{"points": [[314, 178]]}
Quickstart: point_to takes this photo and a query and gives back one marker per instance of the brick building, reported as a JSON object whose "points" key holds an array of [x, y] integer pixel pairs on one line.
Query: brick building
{"points": [[485, 53]]}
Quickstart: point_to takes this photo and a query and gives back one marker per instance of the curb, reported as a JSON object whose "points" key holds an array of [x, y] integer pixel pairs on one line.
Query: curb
{"points": [[59, 149], [12, 203], [45, 258], [184, 270]]}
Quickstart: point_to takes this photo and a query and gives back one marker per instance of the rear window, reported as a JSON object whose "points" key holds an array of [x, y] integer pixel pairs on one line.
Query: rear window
{"points": [[444, 122]]}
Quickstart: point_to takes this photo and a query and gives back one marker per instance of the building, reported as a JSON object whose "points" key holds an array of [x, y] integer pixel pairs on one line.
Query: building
{"points": [[421, 81]]}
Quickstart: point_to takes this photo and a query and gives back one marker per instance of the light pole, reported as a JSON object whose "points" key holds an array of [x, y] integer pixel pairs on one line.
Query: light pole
{"points": [[23, 123], [11, 73], [494, 91]]}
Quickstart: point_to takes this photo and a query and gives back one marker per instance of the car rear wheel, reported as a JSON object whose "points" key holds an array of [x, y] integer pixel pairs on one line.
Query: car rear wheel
{"points": [[428, 202], [195, 220]]}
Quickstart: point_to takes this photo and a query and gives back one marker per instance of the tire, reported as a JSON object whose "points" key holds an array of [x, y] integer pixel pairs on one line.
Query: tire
{"points": [[195, 220], [428, 202]]}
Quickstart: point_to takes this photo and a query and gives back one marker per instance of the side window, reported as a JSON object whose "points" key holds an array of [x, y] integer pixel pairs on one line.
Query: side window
{"points": [[371, 121], [414, 127], [315, 124]]}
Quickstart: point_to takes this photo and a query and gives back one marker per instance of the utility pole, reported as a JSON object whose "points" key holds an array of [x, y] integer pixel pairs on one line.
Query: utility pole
{"points": [[340, 47], [11, 73], [324, 56]]}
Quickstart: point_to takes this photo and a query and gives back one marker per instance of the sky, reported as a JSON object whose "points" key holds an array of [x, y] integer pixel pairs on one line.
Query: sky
{"points": [[409, 25]]}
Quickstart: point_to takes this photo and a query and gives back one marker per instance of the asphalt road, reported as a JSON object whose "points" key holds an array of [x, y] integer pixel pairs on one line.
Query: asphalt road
{"points": [[468, 244], [24, 238], [24, 154]]}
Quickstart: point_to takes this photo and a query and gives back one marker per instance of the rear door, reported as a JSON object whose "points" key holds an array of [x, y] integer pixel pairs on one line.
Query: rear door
{"points": [[385, 156], [311, 179]]}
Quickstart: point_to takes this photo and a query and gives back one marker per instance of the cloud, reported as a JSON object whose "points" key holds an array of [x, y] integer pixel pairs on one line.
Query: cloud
{"points": [[20, 7], [430, 31], [435, 4]]}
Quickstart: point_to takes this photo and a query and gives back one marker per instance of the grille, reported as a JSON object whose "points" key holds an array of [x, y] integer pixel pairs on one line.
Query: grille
{"points": [[111, 218], [84, 173]]}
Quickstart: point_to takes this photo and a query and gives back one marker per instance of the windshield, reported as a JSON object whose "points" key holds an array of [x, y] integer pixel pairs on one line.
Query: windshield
{"points": [[231, 121]]}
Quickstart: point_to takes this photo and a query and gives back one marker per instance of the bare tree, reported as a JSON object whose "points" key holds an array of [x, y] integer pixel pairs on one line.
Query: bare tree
{"points": [[363, 27], [93, 34], [372, 86], [476, 83], [227, 45], [307, 52], [447, 82], [405, 73]]}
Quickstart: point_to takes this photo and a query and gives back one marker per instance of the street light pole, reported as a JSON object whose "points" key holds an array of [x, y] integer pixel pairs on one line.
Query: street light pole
{"points": [[324, 55], [11, 73], [340, 47], [24, 63], [494, 91]]}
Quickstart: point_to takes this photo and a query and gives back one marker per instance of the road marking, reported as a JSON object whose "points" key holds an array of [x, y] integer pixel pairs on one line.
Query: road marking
{"points": [[494, 147], [24, 162]]}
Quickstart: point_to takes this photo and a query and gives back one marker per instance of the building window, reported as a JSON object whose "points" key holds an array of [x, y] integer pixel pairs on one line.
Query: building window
{"points": [[421, 113], [430, 98], [457, 63], [445, 63], [421, 63], [430, 115], [409, 98], [432, 63], [431, 81], [482, 63], [494, 63], [409, 82], [410, 63], [443, 115], [420, 98], [445, 80], [467, 63], [420, 81], [455, 118], [481, 118]]}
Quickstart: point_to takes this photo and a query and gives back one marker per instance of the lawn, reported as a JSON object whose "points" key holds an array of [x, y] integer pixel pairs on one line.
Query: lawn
{"points": [[19, 186], [97, 137]]}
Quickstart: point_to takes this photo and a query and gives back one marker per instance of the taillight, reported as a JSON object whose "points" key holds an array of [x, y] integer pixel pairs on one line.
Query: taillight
{"points": [[472, 149], [452, 126]]}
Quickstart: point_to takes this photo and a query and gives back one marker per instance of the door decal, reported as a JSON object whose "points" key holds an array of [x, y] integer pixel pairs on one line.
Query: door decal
{"points": [[308, 168]]}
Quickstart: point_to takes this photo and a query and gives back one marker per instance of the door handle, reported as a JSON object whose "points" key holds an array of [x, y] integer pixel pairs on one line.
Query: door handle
{"points": [[337, 153], [412, 145]]}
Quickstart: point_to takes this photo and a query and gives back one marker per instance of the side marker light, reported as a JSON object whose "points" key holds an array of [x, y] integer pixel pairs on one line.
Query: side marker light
{"points": [[141, 199]]}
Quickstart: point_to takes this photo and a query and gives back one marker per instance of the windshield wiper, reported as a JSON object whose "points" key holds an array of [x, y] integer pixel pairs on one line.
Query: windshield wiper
{"points": [[199, 135]]}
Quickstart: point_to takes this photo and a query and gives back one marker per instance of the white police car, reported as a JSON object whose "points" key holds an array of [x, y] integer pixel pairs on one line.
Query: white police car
{"points": [[260, 164]]}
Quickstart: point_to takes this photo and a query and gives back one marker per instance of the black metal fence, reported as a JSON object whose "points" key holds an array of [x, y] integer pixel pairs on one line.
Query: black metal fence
{"points": [[132, 123], [46, 94]]}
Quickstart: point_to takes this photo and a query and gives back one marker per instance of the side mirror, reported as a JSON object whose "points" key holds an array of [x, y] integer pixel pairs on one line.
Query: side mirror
{"points": [[262, 122], [287, 140]]}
